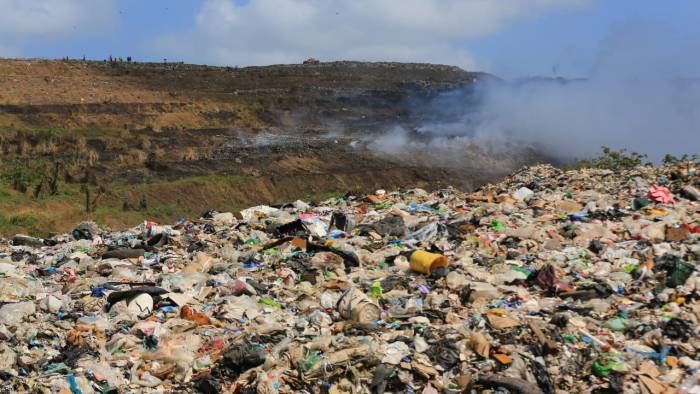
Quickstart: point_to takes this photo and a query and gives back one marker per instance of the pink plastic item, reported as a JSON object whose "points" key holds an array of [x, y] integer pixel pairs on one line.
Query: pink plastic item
{"points": [[660, 194]]}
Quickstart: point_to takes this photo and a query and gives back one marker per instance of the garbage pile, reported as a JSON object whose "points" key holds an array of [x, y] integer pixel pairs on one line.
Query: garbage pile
{"points": [[549, 282]]}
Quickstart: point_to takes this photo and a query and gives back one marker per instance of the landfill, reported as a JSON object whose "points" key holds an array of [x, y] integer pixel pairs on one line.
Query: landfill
{"points": [[550, 281]]}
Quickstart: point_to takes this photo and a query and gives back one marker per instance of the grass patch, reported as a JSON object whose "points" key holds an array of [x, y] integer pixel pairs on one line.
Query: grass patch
{"points": [[22, 222], [165, 211], [97, 132]]}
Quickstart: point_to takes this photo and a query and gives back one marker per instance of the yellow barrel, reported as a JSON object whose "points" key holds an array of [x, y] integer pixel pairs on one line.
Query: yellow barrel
{"points": [[426, 262]]}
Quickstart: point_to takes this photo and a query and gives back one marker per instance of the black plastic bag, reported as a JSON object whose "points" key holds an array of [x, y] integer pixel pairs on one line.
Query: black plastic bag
{"points": [[240, 358], [678, 329], [380, 379], [206, 384], [444, 353], [542, 377]]}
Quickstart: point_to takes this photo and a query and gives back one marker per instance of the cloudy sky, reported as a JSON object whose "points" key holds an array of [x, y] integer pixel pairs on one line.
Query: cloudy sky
{"points": [[509, 38]]}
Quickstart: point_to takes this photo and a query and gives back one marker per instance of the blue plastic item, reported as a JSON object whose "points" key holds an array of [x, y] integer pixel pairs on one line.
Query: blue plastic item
{"points": [[251, 265], [73, 384], [98, 292]]}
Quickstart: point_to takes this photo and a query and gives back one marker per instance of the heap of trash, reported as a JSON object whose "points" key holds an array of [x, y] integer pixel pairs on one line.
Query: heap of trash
{"points": [[549, 282]]}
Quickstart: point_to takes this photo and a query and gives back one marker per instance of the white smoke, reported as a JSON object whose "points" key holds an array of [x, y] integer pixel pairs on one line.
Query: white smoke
{"points": [[643, 94]]}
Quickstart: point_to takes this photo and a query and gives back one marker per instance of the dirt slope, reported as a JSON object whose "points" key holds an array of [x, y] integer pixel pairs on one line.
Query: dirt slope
{"points": [[168, 140]]}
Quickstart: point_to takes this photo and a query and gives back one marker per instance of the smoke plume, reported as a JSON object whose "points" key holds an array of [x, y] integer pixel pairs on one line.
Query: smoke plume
{"points": [[642, 94]]}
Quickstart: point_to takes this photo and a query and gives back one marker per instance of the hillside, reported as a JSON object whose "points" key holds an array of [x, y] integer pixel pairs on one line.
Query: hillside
{"points": [[171, 140], [180, 96]]}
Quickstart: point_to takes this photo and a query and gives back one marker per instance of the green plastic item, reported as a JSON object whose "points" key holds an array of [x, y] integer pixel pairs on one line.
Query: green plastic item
{"points": [[522, 270], [270, 251], [497, 226], [117, 351], [639, 203], [569, 230], [310, 361], [55, 368], [617, 324], [269, 302], [606, 364], [680, 273], [382, 206], [629, 268], [377, 290]]}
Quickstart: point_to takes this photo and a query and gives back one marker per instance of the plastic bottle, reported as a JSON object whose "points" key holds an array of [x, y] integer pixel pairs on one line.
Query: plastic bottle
{"points": [[310, 361], [377, 290]]}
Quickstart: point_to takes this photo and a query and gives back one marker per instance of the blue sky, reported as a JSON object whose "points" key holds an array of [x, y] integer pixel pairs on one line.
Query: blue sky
{"points": [[509, 38], [567, 42]]}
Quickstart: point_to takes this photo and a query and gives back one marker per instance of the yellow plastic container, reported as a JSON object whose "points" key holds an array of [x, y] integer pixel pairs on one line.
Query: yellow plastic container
{"points": [[426, 262]]}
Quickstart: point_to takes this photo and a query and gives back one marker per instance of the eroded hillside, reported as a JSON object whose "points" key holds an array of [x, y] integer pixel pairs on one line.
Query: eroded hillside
{"points": [[117, 141]]}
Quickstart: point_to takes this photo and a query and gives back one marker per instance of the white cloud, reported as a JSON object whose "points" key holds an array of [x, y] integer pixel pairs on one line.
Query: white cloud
{"points": [[284, 31], [24, 21]]}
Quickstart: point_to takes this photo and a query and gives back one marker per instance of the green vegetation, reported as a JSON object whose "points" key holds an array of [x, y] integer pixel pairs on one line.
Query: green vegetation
{"points": [[621, 159], [19, 176], [119, 204], [671, 159], [611, 159], [165, 211], [21, 223]]}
